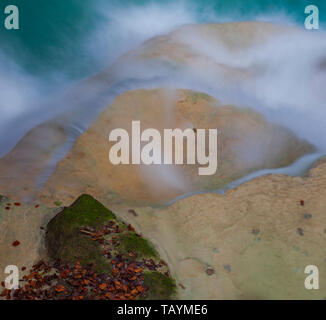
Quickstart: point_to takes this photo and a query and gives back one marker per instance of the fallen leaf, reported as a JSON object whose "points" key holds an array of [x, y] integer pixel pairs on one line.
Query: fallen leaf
{"points": [[132, 211], [134, 292], [59, 288], [16, 243], [140, 288], [182, 286], [103, 286], [130, 228]]}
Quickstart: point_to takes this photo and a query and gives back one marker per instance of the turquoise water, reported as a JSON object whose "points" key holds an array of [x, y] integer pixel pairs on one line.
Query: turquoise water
{"points": [[63, 41], [49, 31], [53, 33]]}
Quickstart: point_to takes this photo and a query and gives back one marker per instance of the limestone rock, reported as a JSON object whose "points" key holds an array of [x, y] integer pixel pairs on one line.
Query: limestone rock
{"points": [[247, 143]]}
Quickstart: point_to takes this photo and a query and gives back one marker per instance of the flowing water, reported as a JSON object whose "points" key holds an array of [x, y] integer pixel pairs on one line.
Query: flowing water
{"points": [[61, 43]]}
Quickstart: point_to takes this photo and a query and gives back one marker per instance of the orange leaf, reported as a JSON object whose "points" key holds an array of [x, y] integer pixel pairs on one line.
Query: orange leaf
{"points": [[140, 288], [59, 288], [103, 286], [134, 292], [16, 243]]}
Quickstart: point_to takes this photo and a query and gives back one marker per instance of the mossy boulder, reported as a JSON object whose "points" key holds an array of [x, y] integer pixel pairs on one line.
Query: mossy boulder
{"points": [[65, 242], [69, 240], [131, 242]]}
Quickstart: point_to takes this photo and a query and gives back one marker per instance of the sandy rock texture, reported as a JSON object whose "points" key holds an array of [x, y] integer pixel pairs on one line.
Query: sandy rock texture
{"points": [[22, 167], [257, 239], [246, 142], [22, 228]]}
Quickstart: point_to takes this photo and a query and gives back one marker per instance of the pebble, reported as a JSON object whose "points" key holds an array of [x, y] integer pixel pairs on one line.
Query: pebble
{"points": [[300, 232], [210, 271], [307, 216]]}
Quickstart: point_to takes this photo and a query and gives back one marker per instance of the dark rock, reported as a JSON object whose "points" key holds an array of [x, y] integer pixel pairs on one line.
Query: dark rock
{"points": [[210, 271], [300, 232]]}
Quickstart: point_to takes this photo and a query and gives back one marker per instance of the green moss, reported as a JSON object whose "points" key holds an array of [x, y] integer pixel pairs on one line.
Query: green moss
{"points": [[195, 96], [87, 211], [131, 242], [58, 203], [65, 242], [161, 287]]}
